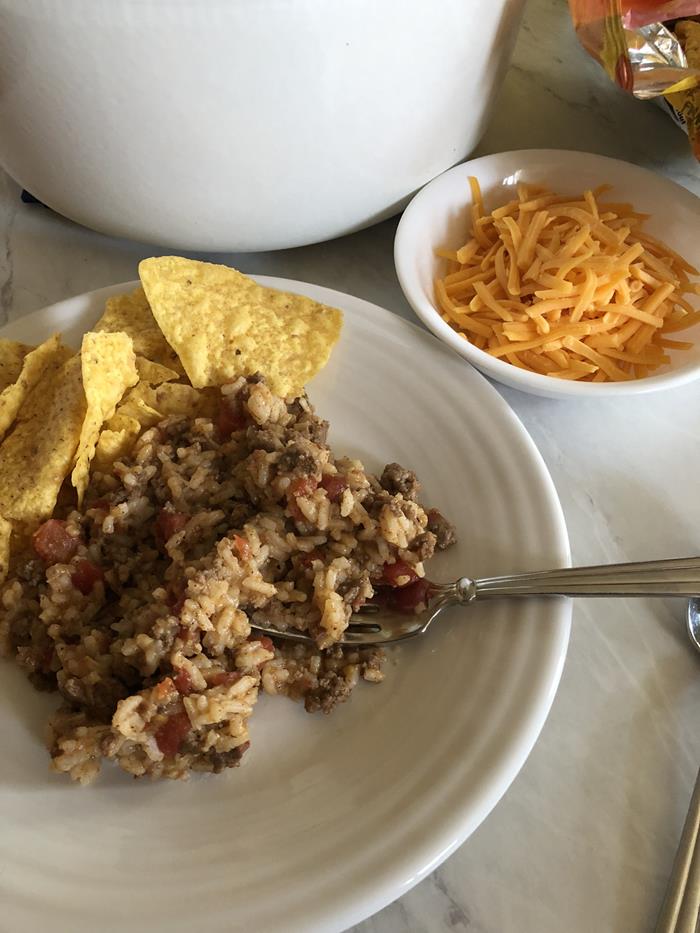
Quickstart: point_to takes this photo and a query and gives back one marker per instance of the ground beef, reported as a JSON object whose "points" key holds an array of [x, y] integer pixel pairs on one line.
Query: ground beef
{"points": [[444, 531], [296, 461], [315, 430], [424, 545], [263, 439], [332, 688], [396, 479]]}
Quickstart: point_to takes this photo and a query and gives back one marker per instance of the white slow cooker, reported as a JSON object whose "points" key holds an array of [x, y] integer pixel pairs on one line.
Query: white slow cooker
{"points": [[243, 124]]}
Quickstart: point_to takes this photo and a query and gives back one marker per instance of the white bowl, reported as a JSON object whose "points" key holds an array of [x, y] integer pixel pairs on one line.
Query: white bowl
{"points": [[243, 124], [327, 820], [438, 216]]}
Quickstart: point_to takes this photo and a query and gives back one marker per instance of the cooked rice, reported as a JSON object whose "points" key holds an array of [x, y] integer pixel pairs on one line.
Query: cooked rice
{"points": [[144, 626]]}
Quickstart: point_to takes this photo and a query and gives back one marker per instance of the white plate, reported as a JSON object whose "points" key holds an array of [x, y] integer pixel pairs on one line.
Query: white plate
{"points": [[438, 216], [328, 819]]}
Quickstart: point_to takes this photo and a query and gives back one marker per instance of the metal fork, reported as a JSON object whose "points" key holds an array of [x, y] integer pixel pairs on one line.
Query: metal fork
{"points": [[375, 625]]}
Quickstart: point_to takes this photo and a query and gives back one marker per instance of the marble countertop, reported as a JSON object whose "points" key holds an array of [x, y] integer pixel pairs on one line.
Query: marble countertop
{"points": [[584, 839]]}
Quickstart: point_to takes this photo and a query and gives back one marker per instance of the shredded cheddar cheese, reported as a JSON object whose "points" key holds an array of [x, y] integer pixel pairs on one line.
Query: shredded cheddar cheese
{"points": [[568, 287]]}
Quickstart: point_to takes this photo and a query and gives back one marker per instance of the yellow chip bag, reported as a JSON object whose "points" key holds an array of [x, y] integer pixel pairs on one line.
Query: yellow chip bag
{"points": [[12, 354], [38, 454], [33, 366], [109, 369], [224, 325], [153, 373], [131, 314]]}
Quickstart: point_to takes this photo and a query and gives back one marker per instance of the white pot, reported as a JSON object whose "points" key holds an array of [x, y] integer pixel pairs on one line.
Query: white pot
{"points": [[243, 124]]}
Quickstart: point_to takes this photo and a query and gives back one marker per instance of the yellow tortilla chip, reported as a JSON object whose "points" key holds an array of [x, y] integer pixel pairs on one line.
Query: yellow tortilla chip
{"points": [[134, 409], [131, 314], [112, 446], [34, 365], [37, 455], [5, 536], [12, 354], [176, 399], [109, 369], [153, 373], [123, 422], [224, 325]]}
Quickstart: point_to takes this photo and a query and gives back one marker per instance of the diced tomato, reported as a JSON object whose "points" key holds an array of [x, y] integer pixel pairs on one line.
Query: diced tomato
{"points": [[175, 599], [408, 598], [168, 523], [402, 598], [164, 690], [183, 682], [335, 486], [306, 560], [264, 640], [242, 547], [303, 486], [232, 417], [223, 678], [243, 748], [394, 573], [53, 543], [172, 734], [45, 659], [85, 575]]}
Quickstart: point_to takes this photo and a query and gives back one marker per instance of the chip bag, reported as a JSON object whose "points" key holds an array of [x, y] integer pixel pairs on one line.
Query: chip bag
{"points": [[650, 48]]}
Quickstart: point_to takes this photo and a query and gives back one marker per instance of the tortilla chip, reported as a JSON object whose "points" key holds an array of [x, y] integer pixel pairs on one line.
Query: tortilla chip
{"points": [[112, 446], [176, 399], [38, 454], [131, 314], [224, 325], [12, 354], [109, 369], [33, 366], [5, 536], [121, 421], [153, 373], [134, 409]]}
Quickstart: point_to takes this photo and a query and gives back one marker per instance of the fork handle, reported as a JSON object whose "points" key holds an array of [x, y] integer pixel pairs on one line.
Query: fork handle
{"points": [[681, 906], [676, 577]]}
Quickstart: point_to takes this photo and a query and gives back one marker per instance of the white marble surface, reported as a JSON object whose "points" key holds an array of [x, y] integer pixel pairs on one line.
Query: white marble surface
{"points": [[584, 839]]}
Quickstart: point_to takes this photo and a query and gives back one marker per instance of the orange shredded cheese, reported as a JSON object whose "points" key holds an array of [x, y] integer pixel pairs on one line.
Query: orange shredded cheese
{"points": [[569, 287]]}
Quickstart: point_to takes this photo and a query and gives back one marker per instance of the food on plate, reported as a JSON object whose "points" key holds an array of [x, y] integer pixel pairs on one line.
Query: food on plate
{"points": [[196, 511], [39, 451], [108, 368], [20, 375], [131, 314], [223, 324], [567, 286]]}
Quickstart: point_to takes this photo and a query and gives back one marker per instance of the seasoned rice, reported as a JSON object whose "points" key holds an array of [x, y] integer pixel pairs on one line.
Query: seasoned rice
{"points": [[138, 608]]}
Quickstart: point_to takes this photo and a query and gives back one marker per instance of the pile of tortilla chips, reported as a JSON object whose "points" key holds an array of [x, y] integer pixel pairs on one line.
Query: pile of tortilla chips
{"points": [[154, 353]]}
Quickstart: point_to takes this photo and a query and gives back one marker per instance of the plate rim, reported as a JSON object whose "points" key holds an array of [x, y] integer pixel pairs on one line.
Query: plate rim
{"points": [[393, 880], [525, 381]]}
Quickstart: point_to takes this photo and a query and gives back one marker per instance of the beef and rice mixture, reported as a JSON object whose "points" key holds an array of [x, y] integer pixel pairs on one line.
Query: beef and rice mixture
{"points": [[138, 608]]}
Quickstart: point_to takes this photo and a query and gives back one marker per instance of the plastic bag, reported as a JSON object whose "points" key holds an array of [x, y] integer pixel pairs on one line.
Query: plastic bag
{"points": [[651, 49]]}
